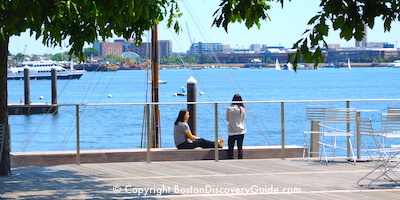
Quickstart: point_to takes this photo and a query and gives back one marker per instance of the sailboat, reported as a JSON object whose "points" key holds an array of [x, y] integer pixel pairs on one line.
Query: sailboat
{"points": [[277, 65], [289, 66], [348, 63]]}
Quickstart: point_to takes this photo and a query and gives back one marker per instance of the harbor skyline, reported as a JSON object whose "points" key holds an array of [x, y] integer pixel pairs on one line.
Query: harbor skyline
{"points": [[285, 28]]}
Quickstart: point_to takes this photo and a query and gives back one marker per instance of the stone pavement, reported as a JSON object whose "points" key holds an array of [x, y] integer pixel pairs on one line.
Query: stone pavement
{"points": [[225, 179]]}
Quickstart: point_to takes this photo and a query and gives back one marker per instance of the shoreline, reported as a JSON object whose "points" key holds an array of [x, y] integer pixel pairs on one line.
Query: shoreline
{"points": [[269, 65]]}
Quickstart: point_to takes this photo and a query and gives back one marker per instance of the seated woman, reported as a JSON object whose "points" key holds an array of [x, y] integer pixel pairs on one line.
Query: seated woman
{"points": [[184, 139]]}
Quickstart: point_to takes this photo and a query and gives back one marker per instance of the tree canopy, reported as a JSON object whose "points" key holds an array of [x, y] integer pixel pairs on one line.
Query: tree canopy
{"points": [[347, 16], [83, 21]]}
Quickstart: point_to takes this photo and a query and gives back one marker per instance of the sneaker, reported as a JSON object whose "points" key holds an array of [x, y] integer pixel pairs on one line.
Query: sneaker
{"points": [[221, 142]]}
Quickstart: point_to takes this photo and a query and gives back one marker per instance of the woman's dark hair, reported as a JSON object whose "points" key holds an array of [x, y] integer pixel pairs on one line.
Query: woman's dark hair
{"points": [[181, 116], [237, 97]]}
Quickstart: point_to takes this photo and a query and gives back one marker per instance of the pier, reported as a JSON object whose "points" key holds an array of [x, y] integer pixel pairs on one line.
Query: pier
{"points": [[35, 108], [226, 179]]}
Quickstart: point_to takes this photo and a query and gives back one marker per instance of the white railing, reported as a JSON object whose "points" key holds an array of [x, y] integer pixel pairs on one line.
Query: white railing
{"points": [[147, 116]]}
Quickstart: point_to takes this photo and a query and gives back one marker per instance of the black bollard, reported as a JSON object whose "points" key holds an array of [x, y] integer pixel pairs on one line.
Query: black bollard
{"points": [[191, 97], [53, 86], [54, 100], [27, 91]]}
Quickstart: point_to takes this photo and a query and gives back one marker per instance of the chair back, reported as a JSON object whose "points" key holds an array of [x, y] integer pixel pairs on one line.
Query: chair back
{"points": [[390, 122], [340, 116], [365, 129], [365, 126], [393, 109], [316, 111]]}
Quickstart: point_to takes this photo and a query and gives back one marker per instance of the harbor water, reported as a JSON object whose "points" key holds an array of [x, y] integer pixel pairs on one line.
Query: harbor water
{"points": [[121, 127]]}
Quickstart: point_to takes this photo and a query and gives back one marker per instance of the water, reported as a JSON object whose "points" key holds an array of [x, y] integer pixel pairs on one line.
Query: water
{"points": [[120, 127]]}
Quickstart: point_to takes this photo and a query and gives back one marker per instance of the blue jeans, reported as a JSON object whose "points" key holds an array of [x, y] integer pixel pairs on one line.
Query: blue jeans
{"points": [[231, 144], [203, 143]]}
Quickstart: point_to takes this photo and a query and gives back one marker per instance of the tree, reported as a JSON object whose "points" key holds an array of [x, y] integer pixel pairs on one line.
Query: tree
{"points": [[347, 16], [78, 21], [58, 57], [19, 56], [113, 58], [203, 58], [233, 59], [91, 52]]}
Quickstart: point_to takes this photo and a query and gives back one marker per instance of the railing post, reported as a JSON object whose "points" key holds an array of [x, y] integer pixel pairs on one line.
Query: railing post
{"points": [[148, 132], [358, 136], [283, 129], [348, 130], [216, 131], [78, 150]]}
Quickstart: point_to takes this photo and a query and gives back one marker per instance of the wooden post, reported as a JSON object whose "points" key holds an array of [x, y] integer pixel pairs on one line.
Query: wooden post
{"points": [[154, 86], [27, 91], [314, 146], [53, 86], [54, 100]]}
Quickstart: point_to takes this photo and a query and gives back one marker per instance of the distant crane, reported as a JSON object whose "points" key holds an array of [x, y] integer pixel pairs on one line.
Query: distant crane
{"points": [[23, 53], [190, 38]]}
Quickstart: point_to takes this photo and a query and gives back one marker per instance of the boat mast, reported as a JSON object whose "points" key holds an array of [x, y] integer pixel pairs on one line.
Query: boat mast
{"points": [[154, 86]]}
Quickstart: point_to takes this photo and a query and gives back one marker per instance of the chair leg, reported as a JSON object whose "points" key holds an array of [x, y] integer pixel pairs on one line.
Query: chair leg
{"points": [[305, 146], [352, 151], [323, 151]]}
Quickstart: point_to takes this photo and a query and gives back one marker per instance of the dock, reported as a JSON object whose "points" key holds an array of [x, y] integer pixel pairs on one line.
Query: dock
{"points": [[33, 108], [276, 178]]}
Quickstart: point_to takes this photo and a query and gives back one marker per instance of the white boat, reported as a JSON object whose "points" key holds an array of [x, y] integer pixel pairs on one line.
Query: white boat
{"points": [[182, 92], [348, 64], [288, 66], [159, 82], [277, 65], [395, 64], [41, 70]]}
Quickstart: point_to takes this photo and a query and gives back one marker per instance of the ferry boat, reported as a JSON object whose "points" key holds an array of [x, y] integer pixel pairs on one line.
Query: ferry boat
{"points": [[395, 64], [41, 70]]}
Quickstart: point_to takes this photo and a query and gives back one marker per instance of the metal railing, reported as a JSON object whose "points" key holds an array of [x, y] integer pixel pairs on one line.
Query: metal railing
{"points": [[147, 116]]}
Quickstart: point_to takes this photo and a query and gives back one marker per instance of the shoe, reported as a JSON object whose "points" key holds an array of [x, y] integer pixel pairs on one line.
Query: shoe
{"points": [[221, 142]]}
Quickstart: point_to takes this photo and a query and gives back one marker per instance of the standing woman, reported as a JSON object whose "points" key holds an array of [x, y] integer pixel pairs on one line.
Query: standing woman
{"points": [[235, 115], [184, 139]]}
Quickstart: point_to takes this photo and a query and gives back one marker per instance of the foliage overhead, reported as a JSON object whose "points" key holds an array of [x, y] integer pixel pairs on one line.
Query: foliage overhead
{"points": [[347, 16], [84, 21]]}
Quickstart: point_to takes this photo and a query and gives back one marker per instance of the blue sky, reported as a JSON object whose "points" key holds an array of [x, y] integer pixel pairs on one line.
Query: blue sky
{"points": [[285, 28]]}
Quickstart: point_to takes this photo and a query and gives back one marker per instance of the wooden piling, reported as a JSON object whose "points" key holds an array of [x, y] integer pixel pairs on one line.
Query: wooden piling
{"points": [[27, 91]]}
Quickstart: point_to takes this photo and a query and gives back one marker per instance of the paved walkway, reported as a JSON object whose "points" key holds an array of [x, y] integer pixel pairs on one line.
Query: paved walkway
{"points": [[226, 179]]}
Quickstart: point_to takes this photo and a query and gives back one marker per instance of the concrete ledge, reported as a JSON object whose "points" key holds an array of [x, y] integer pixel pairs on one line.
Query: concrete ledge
{"points": [[139, 155]]}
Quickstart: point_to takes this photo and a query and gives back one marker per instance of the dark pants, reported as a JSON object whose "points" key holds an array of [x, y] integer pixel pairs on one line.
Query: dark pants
{"points": [[203, 143], [231, 144]]}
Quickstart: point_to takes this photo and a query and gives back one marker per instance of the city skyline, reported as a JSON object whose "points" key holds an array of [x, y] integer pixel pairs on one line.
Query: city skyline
{"points": [[285, 28]]}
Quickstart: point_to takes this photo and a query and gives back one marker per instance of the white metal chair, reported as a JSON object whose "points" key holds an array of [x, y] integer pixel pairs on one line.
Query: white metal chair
{"points": [[383, 173], [393, 109], [337, 124], [313, 112], [1, 139], [390, 124]]}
